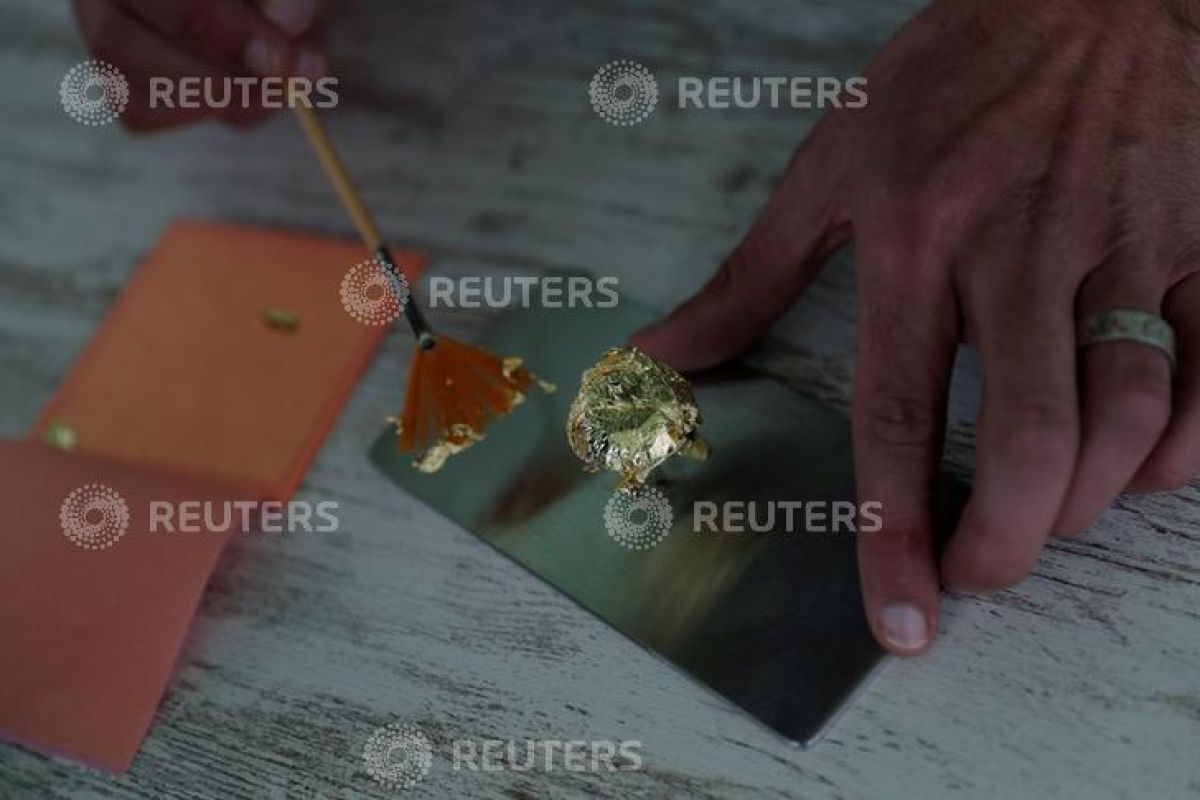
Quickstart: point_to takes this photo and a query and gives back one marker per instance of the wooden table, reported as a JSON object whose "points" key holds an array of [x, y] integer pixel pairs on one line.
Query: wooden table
{"points": [[470, 128]]}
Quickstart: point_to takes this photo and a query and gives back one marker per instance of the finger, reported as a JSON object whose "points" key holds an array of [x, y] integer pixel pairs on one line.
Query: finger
{"points": [[228, 33], [1175, 460], [1126, 398], [294, 16], [116, 36], [906, 345], [803, 222], [308, 56], [1028, 429]]}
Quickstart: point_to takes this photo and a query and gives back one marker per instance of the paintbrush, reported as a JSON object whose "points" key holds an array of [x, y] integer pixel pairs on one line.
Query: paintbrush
{"points": [[454, 389]]}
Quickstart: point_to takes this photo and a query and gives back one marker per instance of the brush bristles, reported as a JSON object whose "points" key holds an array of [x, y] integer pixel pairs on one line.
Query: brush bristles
{"points": [[454, 392]]}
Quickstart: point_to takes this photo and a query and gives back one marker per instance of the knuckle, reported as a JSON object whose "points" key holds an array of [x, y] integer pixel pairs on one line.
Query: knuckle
{"points": [[902, 216], [904, 186], [1042, 427], [900, 424], [898, 542], [905, 247], [894, 203], [923, 191]]}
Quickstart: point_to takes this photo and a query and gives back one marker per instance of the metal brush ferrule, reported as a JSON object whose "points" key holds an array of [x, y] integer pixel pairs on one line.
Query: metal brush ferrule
{"points": [[420, 328]]}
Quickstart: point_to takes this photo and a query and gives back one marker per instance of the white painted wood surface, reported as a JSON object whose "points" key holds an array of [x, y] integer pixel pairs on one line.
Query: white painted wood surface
{"points": [[469, 126]]}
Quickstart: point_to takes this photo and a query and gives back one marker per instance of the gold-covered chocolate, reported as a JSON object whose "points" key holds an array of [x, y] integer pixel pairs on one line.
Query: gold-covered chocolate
{"points": [[632, 413]]}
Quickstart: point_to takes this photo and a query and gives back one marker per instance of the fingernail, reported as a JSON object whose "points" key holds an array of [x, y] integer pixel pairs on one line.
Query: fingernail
{"points": [[264, 58], [311, 65], [294, 16], [903, 626]]}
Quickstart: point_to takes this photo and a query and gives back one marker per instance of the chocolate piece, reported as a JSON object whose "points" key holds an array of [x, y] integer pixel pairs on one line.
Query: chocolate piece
{"points": [[632, 414]]}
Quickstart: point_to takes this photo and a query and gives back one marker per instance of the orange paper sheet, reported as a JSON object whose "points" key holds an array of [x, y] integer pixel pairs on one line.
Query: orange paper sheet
{"points": [[90, 636], [185, 373]]}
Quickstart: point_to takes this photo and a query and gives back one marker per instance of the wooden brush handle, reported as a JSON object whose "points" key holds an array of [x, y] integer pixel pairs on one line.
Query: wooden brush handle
{"points": [[339, 176], [335, 168]]}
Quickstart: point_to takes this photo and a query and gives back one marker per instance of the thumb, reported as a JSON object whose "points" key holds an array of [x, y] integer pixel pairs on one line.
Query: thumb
{"points": [[803, 222]]}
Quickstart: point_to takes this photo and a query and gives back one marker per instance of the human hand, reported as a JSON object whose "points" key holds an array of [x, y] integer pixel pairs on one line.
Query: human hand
{"points": [[1019, 166], [208, 39]]}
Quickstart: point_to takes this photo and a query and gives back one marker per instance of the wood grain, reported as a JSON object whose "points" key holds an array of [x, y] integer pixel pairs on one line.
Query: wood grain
{"points": [[473, 139]]}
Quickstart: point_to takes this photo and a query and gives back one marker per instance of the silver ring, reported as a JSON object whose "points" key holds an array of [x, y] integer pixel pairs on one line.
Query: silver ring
{"points": [[1129, 325]]}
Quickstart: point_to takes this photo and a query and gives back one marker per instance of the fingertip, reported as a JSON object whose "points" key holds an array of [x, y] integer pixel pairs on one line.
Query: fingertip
{"points": [[900, 588], [647, 340], [264, 57], [1065, 532], [981, 565], [294, 17], [311, 64], [1072, 522], [664, 342], [903, 628]]}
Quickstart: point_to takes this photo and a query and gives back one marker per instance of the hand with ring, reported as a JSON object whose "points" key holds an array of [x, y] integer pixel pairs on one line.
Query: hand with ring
{"points": [[1024, 177]]}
